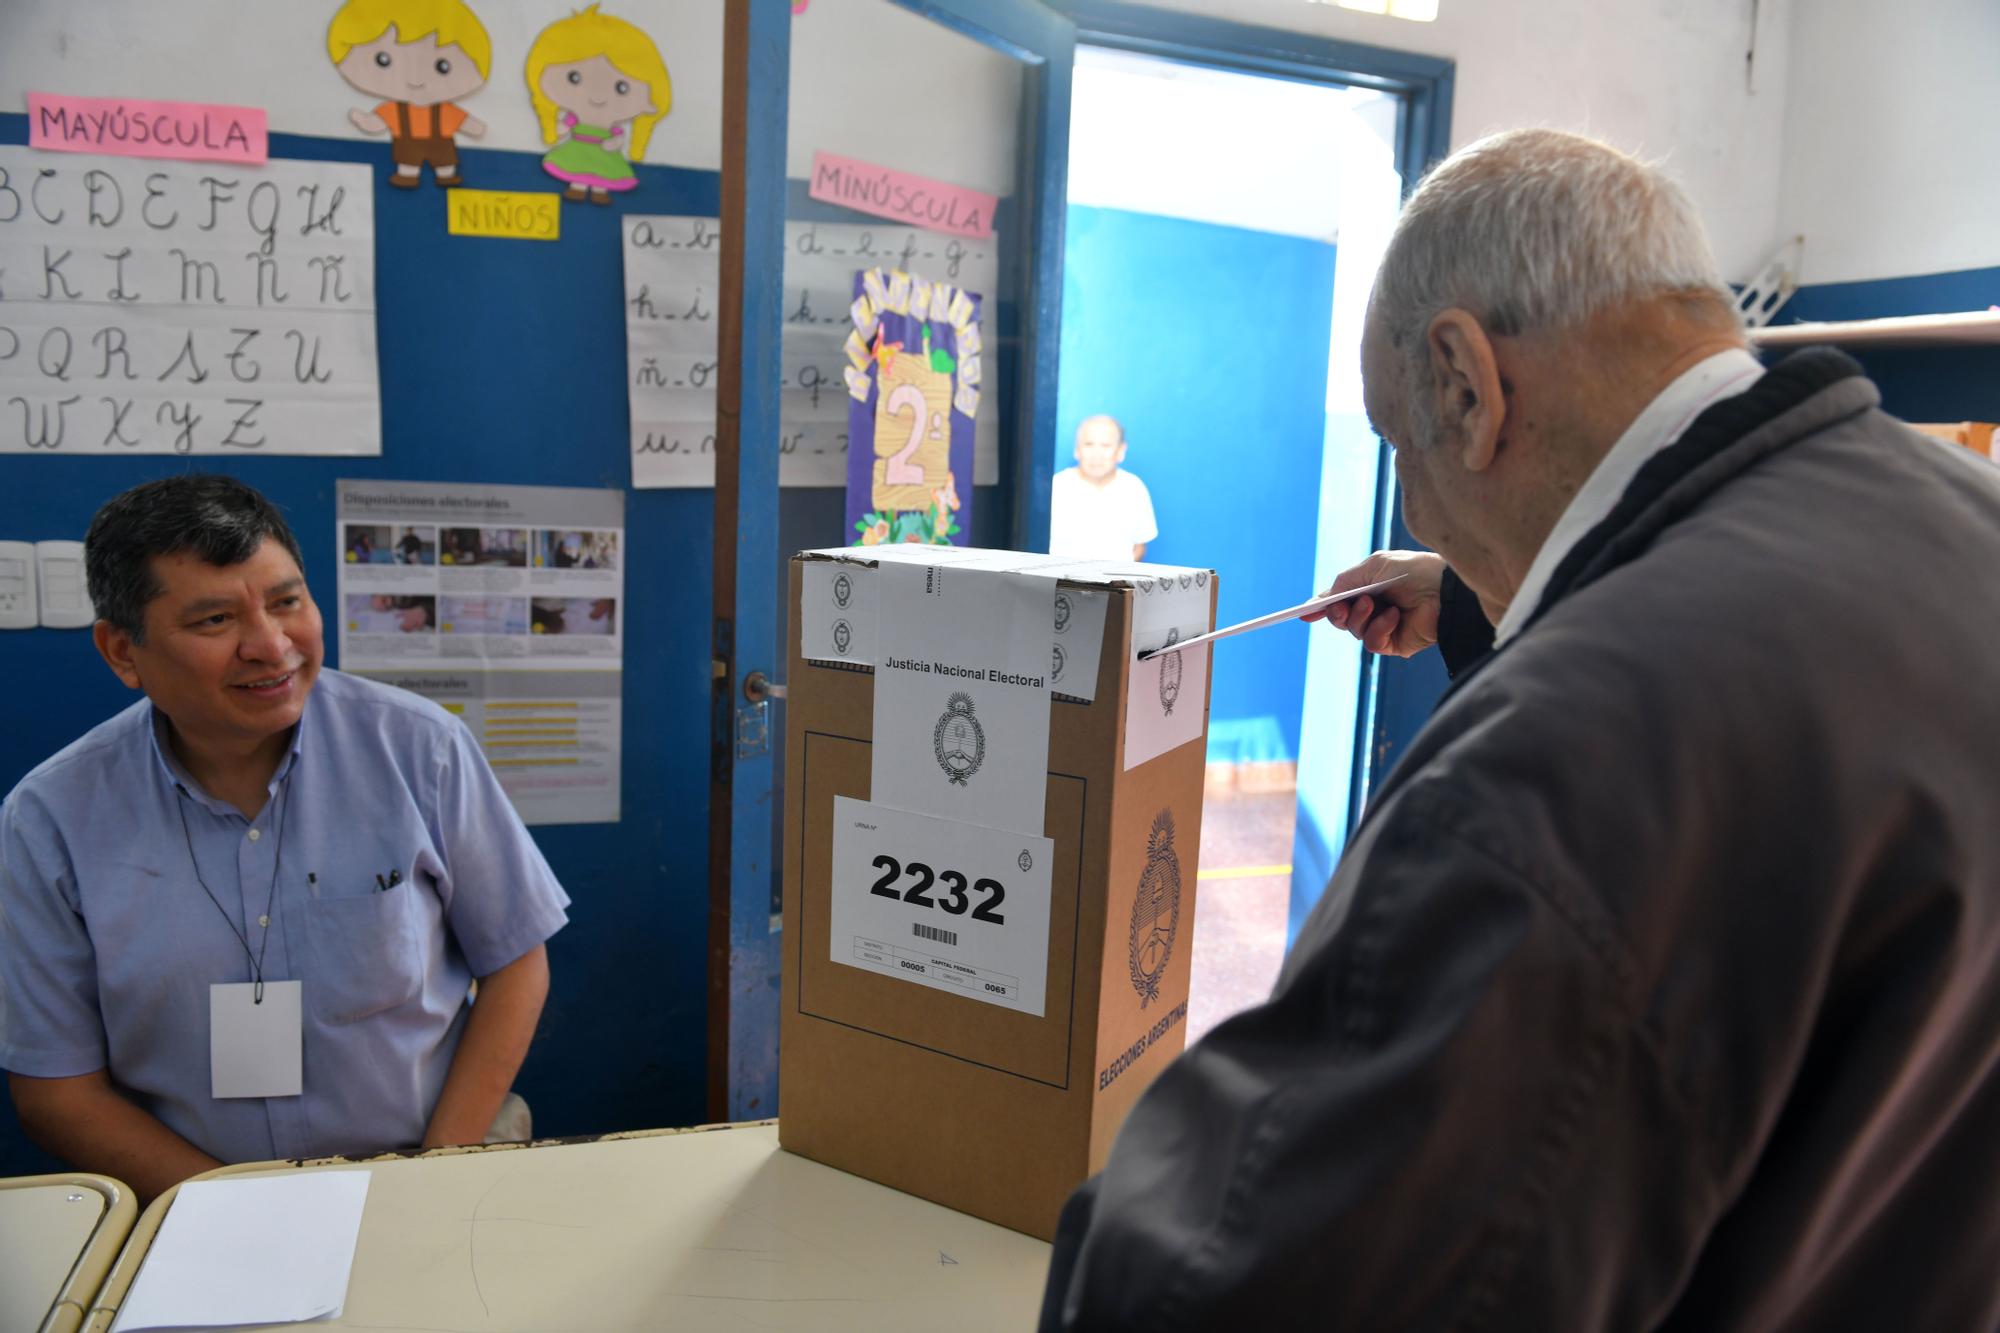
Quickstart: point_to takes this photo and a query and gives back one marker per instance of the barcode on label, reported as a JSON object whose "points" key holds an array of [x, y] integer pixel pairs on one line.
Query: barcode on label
{"points": [[935, 935]]}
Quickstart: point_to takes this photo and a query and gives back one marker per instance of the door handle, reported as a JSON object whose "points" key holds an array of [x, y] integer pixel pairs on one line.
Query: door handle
{"points": [[757, 687]]}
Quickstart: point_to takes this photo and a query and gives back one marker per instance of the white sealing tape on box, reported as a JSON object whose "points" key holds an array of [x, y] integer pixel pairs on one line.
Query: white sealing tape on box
{"points": [[962, 694], [1166, 703], [837, 612], [956, 907], [838, 623], [1079, 641], [1168, 604]]}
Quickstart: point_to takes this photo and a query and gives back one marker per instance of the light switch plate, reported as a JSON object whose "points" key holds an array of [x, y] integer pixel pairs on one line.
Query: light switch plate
{"points": [[19, 606], [65, 598]]}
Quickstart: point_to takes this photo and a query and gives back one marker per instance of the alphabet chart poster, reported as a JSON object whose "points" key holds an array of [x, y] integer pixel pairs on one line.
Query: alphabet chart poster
{"points": [[671, 282], [154, 307], [913, 384]]}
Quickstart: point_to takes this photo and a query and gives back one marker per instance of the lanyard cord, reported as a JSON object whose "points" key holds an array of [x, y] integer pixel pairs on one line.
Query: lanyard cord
{"points": [[270, 899]]}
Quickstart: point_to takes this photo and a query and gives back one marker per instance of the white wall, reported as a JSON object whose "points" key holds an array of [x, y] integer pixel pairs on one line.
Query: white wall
{"points": [[1892, 138], [1210, 145], [1664, 78], [1871, 127], [950, 110], [955, 115]]}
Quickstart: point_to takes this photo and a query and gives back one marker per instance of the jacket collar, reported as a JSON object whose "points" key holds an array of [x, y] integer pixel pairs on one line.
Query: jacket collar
{"points": [[1800, 396]]}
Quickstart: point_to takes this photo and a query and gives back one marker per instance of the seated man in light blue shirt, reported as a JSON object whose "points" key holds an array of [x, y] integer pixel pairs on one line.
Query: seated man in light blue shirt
{"points": [[240, 920]]}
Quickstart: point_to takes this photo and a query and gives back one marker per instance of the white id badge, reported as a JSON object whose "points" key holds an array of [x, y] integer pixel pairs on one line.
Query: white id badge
{"points": [[254, 1050]]}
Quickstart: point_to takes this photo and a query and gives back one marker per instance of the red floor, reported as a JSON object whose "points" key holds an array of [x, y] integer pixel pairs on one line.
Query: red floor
{"points": [[1239, 920]]}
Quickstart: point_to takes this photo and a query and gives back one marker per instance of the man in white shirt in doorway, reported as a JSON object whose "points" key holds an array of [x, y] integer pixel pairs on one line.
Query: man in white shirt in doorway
{"points": [[1099, 511]]}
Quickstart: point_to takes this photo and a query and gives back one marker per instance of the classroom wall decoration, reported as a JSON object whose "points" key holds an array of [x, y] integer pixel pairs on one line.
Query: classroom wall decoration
{"points": [[913, 382], [506, 605], [174, 308], [899, 196], [671, 279], [421, 57], [134, 127], [521, 215], [599, 86]]}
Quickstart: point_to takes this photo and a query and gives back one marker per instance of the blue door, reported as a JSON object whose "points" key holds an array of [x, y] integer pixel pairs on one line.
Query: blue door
{"points": [[1340, 763], [970, 95]]}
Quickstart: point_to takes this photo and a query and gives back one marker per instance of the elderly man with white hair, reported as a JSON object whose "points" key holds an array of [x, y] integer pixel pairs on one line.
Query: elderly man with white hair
{"points": [[1660, 986]]}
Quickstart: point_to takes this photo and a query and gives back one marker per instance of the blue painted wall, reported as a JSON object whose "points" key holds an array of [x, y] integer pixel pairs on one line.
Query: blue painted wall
{"points": [[1917, 383], [1210, 343], [470, 391]]}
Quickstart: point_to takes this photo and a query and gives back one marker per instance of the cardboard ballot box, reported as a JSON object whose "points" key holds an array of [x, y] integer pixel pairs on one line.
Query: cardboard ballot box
{"points": [[992, 816]]}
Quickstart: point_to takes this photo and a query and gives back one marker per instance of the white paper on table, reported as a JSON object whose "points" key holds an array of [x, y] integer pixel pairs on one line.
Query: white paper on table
{"points": [[1304, 608], [264, 1250], [962, 694]]}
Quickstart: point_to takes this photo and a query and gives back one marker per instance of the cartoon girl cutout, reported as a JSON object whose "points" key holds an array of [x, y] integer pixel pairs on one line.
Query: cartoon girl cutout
{"points": [[599, 86]]}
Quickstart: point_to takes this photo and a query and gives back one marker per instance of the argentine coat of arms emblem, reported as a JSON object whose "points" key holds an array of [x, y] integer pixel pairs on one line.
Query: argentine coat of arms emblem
{"points": [[958, 740], [1170, 674], [1156, 911]]}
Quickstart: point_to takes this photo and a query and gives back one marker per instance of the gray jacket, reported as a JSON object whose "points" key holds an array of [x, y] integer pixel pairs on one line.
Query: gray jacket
{"points": [[1660, 987]]}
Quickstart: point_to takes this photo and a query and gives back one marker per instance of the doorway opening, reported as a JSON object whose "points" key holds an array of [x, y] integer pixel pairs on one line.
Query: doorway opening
{"points": [[1222, 233]]}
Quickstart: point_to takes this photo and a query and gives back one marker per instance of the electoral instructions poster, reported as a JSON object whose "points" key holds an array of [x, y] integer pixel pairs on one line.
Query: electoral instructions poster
{"points": [[506, 605]]}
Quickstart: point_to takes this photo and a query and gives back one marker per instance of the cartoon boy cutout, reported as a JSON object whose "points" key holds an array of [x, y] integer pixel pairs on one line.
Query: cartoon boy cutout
{"points": [[420, 56]]}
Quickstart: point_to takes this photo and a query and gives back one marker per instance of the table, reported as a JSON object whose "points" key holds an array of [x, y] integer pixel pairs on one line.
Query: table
{"points": [[713, 1229], [58, 1237]]}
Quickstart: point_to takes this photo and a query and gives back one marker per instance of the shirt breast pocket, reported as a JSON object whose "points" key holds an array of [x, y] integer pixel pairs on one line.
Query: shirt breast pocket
{"points": [[367, 953]]}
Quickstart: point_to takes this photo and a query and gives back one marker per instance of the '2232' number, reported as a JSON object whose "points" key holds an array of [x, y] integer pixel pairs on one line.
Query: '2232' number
{"points": [[956, 900]]}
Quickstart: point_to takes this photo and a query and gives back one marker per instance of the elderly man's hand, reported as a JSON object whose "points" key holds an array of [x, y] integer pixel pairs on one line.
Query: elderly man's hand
{"points": [[1401, 619]]}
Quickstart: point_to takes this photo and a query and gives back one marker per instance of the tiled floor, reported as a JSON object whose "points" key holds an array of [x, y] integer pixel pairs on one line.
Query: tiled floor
{"points": [[1239, 920]]}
